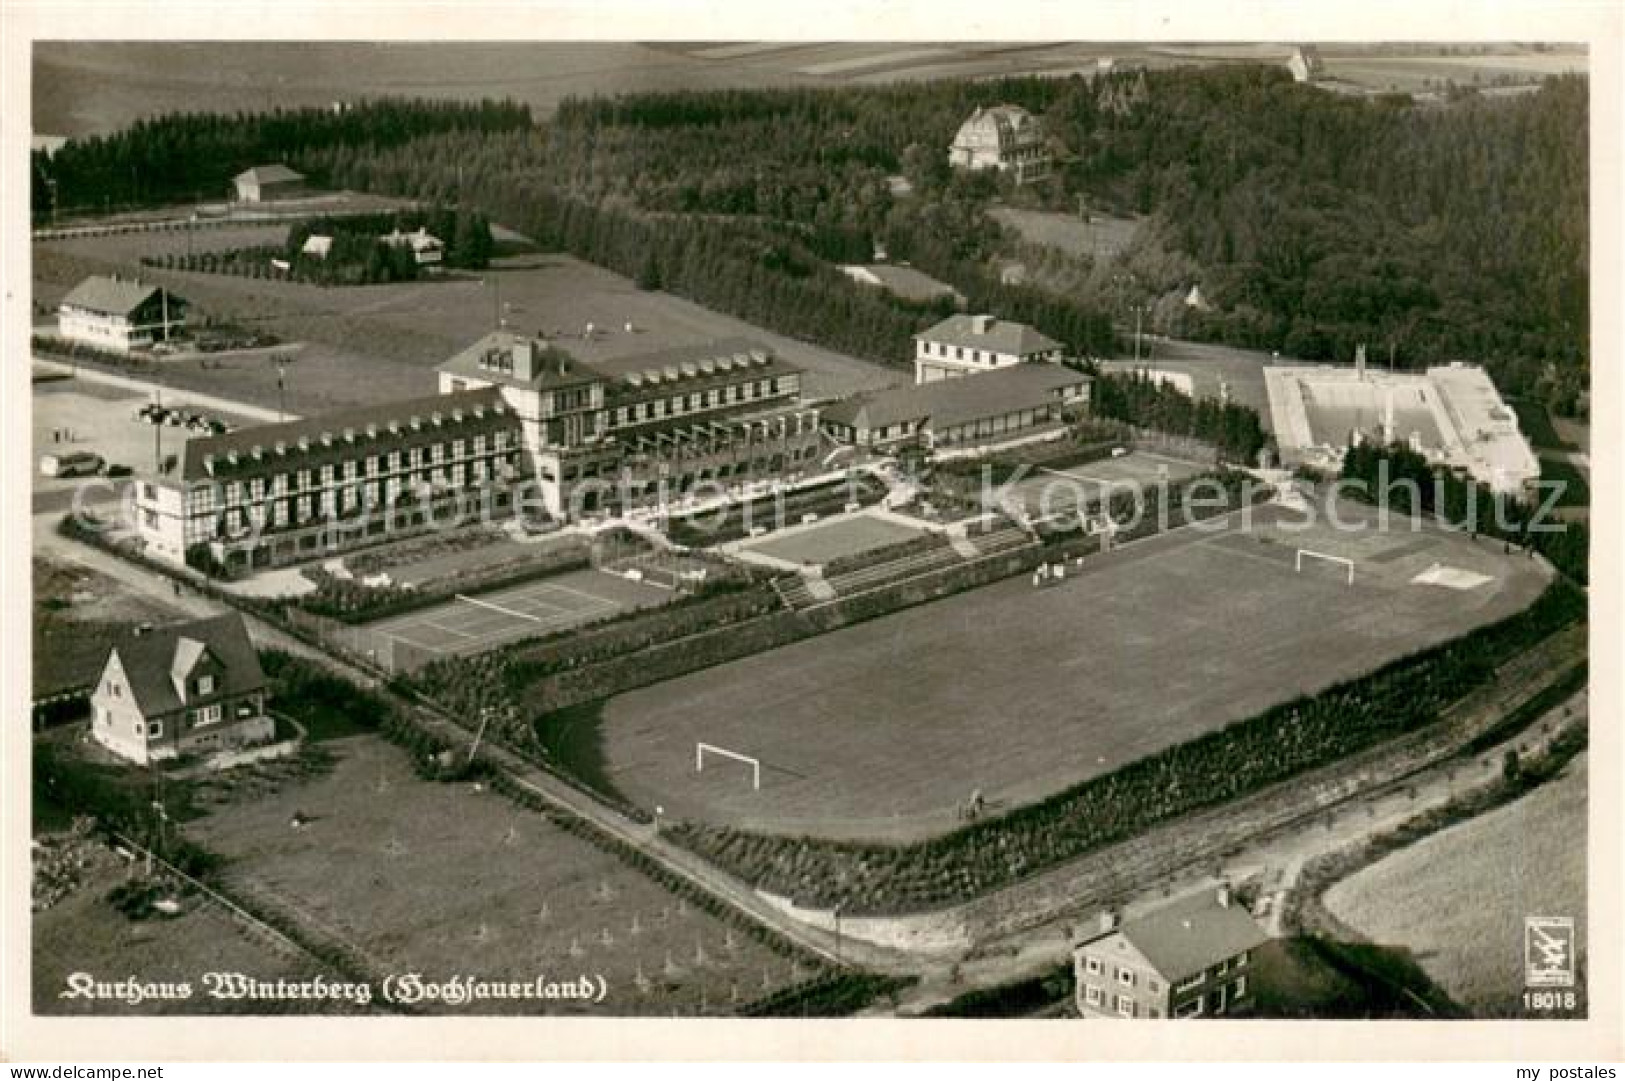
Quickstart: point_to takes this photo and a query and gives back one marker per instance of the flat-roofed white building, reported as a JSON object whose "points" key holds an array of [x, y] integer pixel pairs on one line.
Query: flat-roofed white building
{"points": [[1452, 415]]}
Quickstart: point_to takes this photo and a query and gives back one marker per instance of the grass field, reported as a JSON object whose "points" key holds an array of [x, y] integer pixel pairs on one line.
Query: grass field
{"points": [[826, 541], [443, 879], [83, 88], [477, 624], [360, 344], [882, 729], [1102, 237], [1457, 899], [1242, 370]]}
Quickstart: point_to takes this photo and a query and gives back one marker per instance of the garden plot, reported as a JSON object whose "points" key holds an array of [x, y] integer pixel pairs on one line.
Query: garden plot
{"points": [[447, 879]]}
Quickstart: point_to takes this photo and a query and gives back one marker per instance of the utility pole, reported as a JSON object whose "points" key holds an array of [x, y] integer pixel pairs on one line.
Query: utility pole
{"points": [[485, 719], [281, 389]]}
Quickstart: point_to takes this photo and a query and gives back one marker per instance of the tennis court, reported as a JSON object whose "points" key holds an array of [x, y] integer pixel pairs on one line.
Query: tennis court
{"points": [[474, 624], [1054, 491], [824, 542]]}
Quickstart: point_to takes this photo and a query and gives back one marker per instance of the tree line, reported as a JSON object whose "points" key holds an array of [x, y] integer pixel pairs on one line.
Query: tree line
{"points": [[1135, 398], [181, 157], [1312, 221], [1409, 484]]}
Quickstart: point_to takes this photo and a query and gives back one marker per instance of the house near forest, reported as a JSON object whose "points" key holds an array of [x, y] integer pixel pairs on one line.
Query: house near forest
{"points": [[267, 183], [1004, 137], [189, 688], [975, 344], [427, 250], [120, 314]]}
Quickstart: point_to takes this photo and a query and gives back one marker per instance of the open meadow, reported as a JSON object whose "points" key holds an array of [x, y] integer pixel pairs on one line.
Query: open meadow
{"points": [[883, 729], [449, 879], [1457, 899], [1102, 237], [360, 344]]}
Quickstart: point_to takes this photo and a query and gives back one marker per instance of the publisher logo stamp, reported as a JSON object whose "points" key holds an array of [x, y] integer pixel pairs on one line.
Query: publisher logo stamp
{"points": [[1548, 951]]}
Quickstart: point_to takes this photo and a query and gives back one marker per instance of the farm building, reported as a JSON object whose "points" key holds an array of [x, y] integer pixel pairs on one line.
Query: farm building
{"points": [[903, 281], [179, 690], [956, 412], [427, 250], [1190, 958], [976, 344], [512, 411], [120, 314], [1005, 137], [265, 183]]}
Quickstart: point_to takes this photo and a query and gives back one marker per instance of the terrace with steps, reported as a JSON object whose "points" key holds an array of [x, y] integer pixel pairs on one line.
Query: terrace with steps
{"points": [[804, 591]]}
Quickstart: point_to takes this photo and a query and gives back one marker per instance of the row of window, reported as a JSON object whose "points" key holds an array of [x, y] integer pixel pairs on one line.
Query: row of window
{"points": [[1123, 1004], [697, 401], [1126, 976], [257, 488], [957, 352]]}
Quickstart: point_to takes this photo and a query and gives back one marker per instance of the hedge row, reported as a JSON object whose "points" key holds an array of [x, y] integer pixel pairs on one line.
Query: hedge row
{"points": [[1214, 769]]}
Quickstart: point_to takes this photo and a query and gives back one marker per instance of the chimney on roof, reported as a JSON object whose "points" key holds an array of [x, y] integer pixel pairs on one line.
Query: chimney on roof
{"points": [[1224, 895], [524, 359], [981, 324], [1108, 921]]}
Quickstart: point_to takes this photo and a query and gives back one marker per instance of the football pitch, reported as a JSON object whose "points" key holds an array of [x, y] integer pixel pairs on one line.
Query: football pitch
{"points": [[883, 729]]}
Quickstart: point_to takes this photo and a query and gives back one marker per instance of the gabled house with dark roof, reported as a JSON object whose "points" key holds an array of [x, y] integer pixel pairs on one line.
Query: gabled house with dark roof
{"points": [[1000, 405], [120, 314], [189, 688], [264, 183], [1192, 957], [1003, 137], [974, 344]]}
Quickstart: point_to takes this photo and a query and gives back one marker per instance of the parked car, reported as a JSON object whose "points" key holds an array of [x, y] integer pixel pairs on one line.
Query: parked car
{"points": [[151, 413], [116, 469], [174, 419], [79, 463]]}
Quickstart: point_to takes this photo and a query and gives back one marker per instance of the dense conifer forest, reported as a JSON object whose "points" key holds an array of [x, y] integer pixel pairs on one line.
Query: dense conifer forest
{"points": [[1313, 221]]}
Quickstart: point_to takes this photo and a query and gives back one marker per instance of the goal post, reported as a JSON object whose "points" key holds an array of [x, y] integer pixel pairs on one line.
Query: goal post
{"points": [[1342, 561], [755, 764]]}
